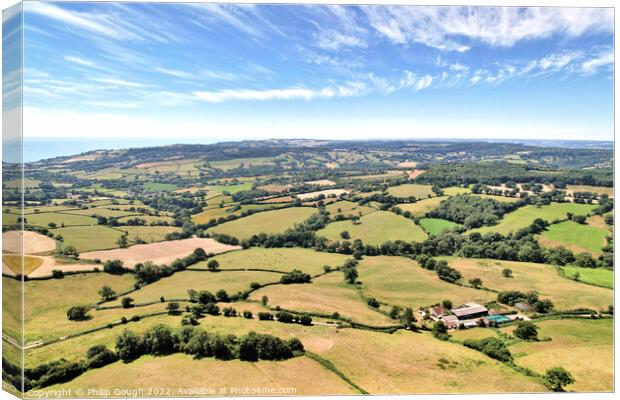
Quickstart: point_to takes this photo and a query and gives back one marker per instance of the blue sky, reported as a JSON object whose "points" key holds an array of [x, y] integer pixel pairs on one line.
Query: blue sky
{"points": [[204, 70]]}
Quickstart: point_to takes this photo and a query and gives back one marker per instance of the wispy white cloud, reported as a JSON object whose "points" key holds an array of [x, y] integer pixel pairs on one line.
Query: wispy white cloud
{"points": [[174, 72], [334, 40], [80, 61], [120, 82], [293, 93], [457, 28], [592, 66]]}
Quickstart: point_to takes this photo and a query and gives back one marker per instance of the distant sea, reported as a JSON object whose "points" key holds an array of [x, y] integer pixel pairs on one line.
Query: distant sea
{"points": [[36, 149]]}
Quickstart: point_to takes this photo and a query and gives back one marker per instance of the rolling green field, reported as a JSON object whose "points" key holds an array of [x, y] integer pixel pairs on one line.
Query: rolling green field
{"points": [[574, 236], [524, 216], [148, 234], [455, 190], [411, 189], [227, 165], [268, 222], [345, 207], [503, 199], [594, 276], [89, 238], [232, 189], [375, 229], [436, 226]]}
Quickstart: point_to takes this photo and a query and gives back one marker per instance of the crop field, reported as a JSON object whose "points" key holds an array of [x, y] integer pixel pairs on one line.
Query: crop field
{"points": [[577, 237], [89, 238], [284, 260], [401, 281], [584, 346], [421, 207], [375, 229], [159, 253], [411, 189], [233, 188], [524, 216], [27, 242], [544, 279], [594, 276], [15, 263], [436, 226], [267, 222], [326, 193]]}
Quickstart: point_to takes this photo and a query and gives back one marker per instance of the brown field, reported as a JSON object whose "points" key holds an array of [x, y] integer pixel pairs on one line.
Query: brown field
{"points": [[415, 173], [570, 189], [159, 253], [223, 377], [274, 188], [34, 243], [328, 192], [14, 264], [326, 294], [49, 264], [408, 164]]}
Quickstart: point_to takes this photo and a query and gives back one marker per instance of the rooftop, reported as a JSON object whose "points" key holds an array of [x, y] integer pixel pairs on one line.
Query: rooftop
{"points": [[469, 309]]}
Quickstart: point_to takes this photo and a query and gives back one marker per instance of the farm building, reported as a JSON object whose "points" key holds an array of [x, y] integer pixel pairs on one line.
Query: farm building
{"points": [[470, 311]]}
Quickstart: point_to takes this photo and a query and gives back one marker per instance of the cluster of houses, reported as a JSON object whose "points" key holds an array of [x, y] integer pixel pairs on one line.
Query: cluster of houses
{"points": [[469, 315]]}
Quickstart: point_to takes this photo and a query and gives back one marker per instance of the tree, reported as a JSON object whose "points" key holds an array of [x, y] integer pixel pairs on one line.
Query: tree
{"points": [[158, 340], [440, 330], [222, 296], [128, 345], [99, 356], [446, 304], [127, 302], [78, 313], [107, 293], [507, 273], [408, 318], [345, 235], [213, 265], [526, 330], [394, 312], [556, 378], [114, 267], [305, 320], [580, 219], [476, 282], [264, 300], [122, 241], [350, 275], [374, 303], [173, 308]]}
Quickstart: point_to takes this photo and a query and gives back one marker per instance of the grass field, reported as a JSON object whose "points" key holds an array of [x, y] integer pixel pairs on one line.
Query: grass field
{"points": [[11, 307], [227, 165], [176, 286], [420, 208], [401, 281], [576, 237], [376, 228], [268, 221], [223, 377], [159, 187], [501, 199], [411, 189], [89, 238], [326, 294], [46, 302], [215, 212], [148, 218], [584, 347], [15, 263], [284, 259], [68, 219], [147, 233], [594, 276], [524, 216], [104, 212], [436, 226], [544, 279]]}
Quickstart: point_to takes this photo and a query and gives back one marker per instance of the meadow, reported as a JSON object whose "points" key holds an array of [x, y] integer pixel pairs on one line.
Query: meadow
{"points": [[421, 207], [594, 276], [576, 237], [89, 238], [524, 216], [375, 229], [411, 189], [436, 226]]}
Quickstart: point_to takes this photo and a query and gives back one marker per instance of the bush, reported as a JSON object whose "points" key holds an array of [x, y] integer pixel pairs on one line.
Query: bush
{"points": [[556, 378], [128, 345], [158, 340], [57, 274], [305, 320], [229, 312], [99, 356], [492, 347], [247, 314], [265, 316], [526, 330], [212, 309], [295, 276], [114, 267], [285, 317], [222, 296], [372, 302], [78, 313], [127, 302]]}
